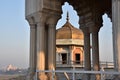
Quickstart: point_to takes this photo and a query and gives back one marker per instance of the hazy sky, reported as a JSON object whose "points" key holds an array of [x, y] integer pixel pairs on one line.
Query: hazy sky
{"points": [[14, 33]]}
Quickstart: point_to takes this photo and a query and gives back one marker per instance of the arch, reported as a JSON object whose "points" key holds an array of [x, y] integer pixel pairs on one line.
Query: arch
{"points": [[106, 42], [66, 7]]}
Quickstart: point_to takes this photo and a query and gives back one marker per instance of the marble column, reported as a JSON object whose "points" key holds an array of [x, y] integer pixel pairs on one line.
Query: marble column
{"points": [[95, 50], [51, 23], [87, 56], [51, 46], [32, 50], [41, 50], [116, 32]]}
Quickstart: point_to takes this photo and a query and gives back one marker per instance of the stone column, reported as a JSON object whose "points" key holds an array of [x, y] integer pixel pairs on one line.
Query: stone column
{"points": [[95, 50], [116, 32], [87, 57], [32, 50], [51, 48], [41, 50]]}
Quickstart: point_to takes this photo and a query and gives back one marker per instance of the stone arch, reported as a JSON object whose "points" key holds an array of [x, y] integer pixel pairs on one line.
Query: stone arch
{"points": [[67, 7], [106, 38]]}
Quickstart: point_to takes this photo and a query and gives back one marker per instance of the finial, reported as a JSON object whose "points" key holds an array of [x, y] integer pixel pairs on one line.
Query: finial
{"points": [[67, 16]]}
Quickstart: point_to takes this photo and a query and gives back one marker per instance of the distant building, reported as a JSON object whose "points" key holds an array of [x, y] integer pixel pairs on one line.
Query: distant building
{"points": [[11, 67]]}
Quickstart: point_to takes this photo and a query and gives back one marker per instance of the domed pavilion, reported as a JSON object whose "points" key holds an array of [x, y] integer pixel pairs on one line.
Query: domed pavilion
{"points": [[69, 45]]}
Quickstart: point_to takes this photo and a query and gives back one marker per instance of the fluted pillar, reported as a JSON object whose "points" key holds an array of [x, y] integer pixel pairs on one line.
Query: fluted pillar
{"points": [[52, 45], [32, 56], [95, 50], [41, 50], [87, 57], [32, 50], [116, 32], [51, 49]]}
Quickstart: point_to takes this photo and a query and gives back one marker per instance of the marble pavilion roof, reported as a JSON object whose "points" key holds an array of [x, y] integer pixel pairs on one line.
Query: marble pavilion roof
{"points": [[69, 33]]}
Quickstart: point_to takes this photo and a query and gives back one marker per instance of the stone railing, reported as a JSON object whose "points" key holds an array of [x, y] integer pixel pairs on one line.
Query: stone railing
{"points": [[78, 74], [103, 64]]}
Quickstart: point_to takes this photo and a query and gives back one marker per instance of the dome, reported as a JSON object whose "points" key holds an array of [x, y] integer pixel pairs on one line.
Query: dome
{"points": [[69, 32], [69, 35]]}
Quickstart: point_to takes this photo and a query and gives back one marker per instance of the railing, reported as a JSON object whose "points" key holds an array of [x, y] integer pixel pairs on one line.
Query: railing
{"points": [[70, 62], [104, 74], [81, 64], [107, 64]]}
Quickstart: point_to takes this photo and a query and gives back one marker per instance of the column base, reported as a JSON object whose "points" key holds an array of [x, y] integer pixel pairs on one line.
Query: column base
{"points": [[42, 76], [98, 77], [52, 76], [31, 75]]}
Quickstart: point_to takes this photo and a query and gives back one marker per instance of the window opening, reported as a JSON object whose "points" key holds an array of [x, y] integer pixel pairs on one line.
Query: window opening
{"points": [[64, 58], [77, 57]]}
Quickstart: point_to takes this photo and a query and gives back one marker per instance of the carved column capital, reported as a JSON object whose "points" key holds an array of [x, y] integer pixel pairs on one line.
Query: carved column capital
{"points": [[52, 20], [32, 26], [30, 19], [31, 22], [83, 25], [40, 17], [85, 30], [94, 27]]}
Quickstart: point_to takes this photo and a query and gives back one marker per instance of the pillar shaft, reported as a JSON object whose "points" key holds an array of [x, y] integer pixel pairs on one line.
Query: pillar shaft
{"points": [[87, 57], [116, 32], [32, 50], [87, 51], [51, 46], [40, 47], [95, 53], [51, 23], [41, 50]]}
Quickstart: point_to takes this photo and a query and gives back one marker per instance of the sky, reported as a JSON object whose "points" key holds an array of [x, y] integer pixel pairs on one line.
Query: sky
{"points": [[15, 33]]}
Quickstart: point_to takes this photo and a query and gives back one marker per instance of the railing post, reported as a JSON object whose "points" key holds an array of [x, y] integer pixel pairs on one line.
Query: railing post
{"points": [[53, 75], [36, 75], [102, 74], [73, 73]]}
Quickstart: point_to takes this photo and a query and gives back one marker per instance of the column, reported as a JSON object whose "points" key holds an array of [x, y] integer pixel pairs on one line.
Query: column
{"points": [[41, 50], [116, 32], [87, 57], [32, 50], [95, 50], [46, 47], [51, 48]]}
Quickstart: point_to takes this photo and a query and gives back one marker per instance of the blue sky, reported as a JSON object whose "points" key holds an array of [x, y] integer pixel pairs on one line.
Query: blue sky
{"points": [[14, 33]]}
